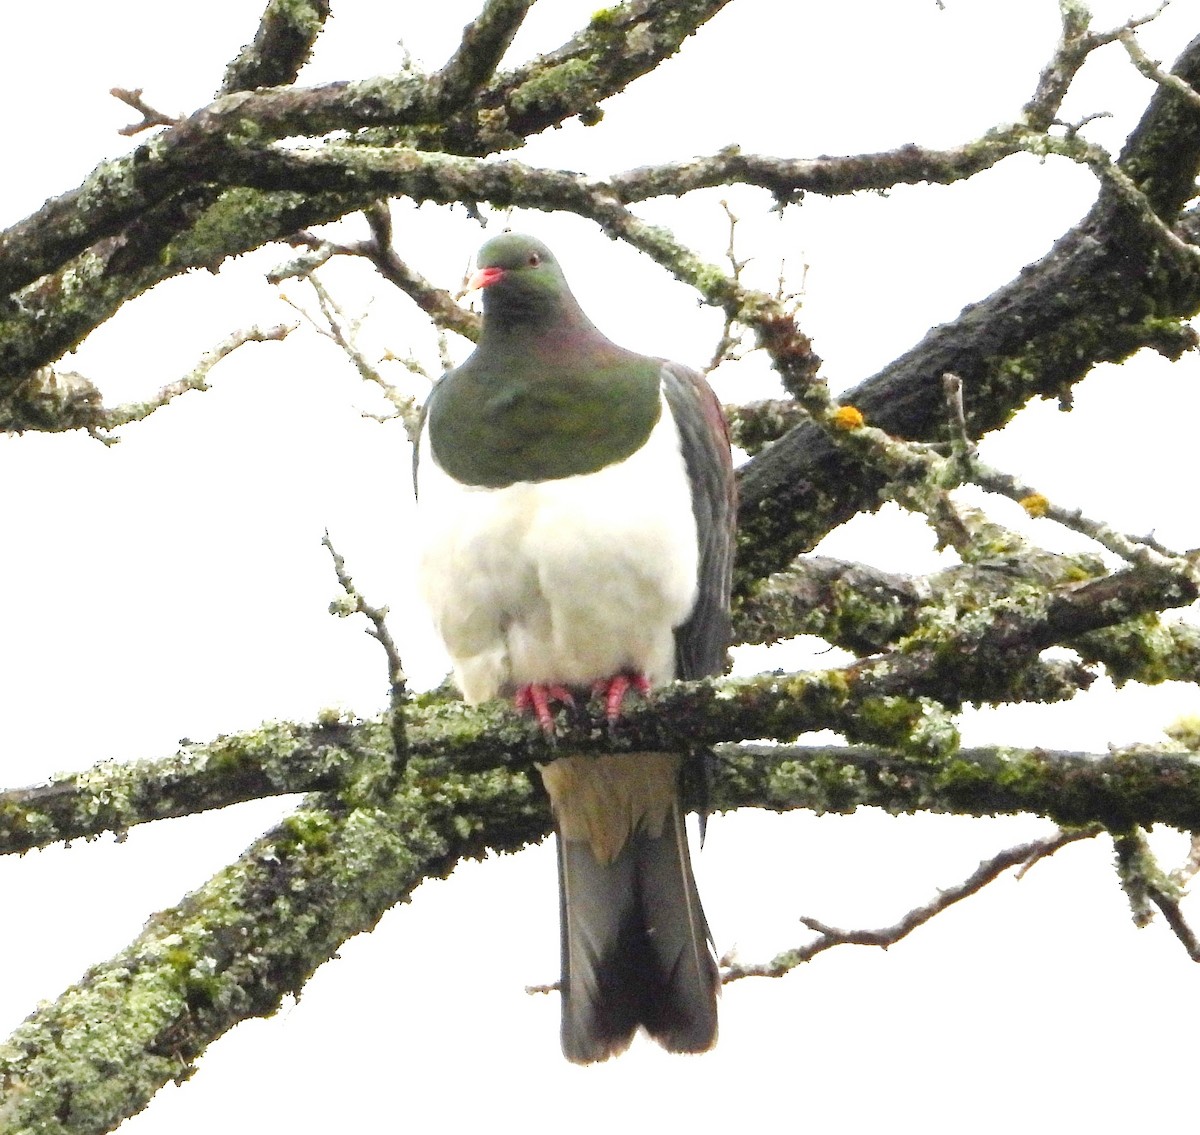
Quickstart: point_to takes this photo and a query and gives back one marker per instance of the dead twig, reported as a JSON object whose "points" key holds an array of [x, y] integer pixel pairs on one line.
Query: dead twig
{"points": [[150, 116], [962, 448], [336, 326], [1022, 856], [1152, 68], [197, 379], [351, 602]]}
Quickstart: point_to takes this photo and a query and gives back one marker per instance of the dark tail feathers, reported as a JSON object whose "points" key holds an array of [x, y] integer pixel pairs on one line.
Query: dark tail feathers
{"points": [[636, 949]]}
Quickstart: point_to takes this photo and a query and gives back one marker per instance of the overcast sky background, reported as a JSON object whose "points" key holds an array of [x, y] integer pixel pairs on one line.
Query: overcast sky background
{"points": [[174, 586]]}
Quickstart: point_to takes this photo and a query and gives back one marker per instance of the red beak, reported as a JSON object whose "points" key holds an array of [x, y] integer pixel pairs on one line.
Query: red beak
{"points": [[484, 278]]}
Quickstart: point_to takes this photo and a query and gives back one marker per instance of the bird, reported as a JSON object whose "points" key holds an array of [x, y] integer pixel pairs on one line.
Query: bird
{"points": [[576, 507]]}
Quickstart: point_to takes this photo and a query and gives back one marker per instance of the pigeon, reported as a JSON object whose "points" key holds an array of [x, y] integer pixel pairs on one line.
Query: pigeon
{"points": [[576, 507]]}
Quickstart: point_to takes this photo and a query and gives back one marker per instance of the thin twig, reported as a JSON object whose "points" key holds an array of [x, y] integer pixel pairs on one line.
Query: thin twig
{"points": [[1169, 905], [724, 350], [1152, 68], [962, 447], [1131, 548], [197, 379], [1022, 856], [352, 602], [343, 331], [150, 116], [436, 302]]}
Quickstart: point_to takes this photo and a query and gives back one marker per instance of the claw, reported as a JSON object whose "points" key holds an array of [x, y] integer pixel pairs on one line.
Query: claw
{"points": [[537, 698], [614, 689]]}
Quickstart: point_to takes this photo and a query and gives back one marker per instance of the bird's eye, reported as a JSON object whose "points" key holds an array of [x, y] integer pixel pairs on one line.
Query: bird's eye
{"points": [[534, 260]]}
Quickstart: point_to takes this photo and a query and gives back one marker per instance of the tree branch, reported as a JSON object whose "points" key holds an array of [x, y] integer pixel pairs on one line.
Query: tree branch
{"points": [[273, 760], [1146, 884], [1023, 856], [484, 43], [436, 302], [282, 45], [234, 948], [593, 65], [1098, 296], [150, 116], [988, 655], [54, 401], [352, 602]]}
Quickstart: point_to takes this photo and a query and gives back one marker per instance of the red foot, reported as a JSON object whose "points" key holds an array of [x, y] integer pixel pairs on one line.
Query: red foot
{"points": [[614, 689], [537, 698]]}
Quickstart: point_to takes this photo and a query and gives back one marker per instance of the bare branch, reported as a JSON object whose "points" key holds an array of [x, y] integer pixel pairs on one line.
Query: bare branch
{"points": [[1173, 914], [197, 379], [352, 602], [1023, 856], [56, 401], [341, 331], [1129, 548], [724, 351], [436, 302], [150, 116], [1152, 69]]}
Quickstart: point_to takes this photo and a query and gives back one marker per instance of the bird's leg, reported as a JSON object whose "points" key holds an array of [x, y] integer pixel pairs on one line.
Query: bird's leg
{"points": [[614, 689], [536, 698]]}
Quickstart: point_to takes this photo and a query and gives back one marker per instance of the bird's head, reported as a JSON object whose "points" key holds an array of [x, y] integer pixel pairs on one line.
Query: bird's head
{"points": [[520, 278]]}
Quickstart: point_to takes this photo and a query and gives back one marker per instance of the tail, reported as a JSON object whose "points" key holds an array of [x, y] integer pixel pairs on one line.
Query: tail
{"points": [[636, 949]]}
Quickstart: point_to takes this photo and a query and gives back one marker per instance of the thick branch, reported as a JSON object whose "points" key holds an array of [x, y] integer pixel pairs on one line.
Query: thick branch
{"points": [[991, 655], [790, 178], [848, 604], [273, 760], [236, 947], [620, 44], [1120, 789], [1103, 292], [282, 44], [596, 64], [484, 42]]}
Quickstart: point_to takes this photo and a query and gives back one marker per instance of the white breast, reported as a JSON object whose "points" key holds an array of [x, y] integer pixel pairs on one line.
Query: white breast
{"points": [[565, 581]]}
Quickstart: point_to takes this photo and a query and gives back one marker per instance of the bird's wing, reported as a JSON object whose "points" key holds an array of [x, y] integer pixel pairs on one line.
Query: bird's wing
{"points": [[701, 642], [416, 445]]}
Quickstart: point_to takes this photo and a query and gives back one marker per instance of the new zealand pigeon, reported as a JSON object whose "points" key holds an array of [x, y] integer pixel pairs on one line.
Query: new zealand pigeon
{"points": [[576, 503]]}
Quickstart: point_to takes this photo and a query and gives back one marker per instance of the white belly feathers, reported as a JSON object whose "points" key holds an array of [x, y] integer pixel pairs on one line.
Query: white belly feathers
{"points": [[565, 581]]}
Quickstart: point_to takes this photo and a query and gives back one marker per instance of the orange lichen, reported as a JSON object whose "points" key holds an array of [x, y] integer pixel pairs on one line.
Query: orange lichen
{"points": [[847, 418], [1035, 504]]}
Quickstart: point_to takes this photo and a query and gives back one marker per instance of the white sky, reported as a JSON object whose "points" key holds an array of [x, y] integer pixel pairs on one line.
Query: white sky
{"points": [[174, 586]]}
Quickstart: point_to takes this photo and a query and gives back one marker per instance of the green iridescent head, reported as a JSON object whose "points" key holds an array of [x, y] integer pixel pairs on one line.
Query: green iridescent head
{"points": [[521, 278]]}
